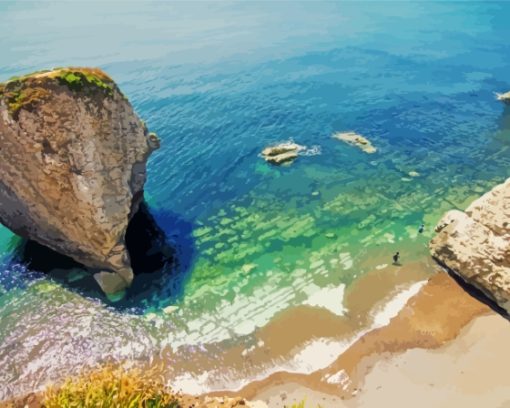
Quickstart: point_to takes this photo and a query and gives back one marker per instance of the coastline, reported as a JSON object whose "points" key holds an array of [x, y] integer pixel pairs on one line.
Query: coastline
{"points": [[433, 326], [301, 339], [382, 287], [338, 361], [424, 377], [287, 343]]}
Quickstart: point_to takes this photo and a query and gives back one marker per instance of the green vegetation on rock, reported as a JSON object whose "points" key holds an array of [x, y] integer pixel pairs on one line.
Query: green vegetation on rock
{"points": [[17, 96], [77, 80], [24, 92]]}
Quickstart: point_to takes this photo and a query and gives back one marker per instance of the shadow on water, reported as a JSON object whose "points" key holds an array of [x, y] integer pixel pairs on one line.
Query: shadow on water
{"points": [[161, 247]]}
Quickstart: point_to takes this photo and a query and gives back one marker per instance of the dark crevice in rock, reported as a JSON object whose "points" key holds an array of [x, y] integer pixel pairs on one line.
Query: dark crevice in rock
{"points": [[43, 259], [146, 243], [472, 289], [47, 149]]}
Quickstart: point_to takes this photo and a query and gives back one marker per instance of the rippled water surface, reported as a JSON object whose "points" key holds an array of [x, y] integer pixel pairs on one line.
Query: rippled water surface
{"points": [[220, 81]]}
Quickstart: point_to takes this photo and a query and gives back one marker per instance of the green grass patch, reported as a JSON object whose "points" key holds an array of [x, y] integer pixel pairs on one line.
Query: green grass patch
{"points": [[79, 80], [111, 388]]}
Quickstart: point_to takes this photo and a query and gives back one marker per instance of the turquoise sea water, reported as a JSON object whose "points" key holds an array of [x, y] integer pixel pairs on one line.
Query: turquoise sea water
{"points": [[220, 81]]}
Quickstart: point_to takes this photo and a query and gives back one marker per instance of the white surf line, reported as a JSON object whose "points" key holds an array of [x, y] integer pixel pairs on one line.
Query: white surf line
{"points": [[315, 355]]}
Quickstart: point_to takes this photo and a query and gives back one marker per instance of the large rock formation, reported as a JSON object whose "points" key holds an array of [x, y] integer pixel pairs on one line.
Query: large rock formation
{"points": [[475, 244], [73, 167]]}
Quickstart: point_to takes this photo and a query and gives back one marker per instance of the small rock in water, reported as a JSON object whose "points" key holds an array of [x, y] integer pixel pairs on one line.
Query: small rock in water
{"points": [[170, 309], [504, 97], [357, 140], [330, 235], [315, 193], [413, 174], [281, 153], [282, 158]]}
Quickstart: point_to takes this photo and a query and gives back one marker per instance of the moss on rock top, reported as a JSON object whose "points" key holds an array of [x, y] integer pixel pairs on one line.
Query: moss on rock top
{"points": [[24, 92], [83, 78]]}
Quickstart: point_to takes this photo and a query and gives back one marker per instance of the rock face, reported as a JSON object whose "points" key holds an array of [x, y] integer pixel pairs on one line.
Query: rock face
{"points": [[282, 153], [505, 97], [475, 244], [356, 140], [73, 167]]}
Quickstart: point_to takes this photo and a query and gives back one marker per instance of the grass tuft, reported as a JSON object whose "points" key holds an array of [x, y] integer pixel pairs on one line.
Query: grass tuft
{"points": [[78, 80], [111, 388]]}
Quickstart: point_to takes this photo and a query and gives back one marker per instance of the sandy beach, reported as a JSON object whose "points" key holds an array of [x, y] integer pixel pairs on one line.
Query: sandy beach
{"points": [[444, 348]]}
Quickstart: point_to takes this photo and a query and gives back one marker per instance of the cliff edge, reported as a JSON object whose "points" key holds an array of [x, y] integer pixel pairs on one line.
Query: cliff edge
{"points": [[475, 244], [73, 166]]}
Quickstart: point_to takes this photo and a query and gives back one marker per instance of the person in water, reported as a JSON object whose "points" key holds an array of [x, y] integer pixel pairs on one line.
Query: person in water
{"points": [[396, 257], [422, 227]]}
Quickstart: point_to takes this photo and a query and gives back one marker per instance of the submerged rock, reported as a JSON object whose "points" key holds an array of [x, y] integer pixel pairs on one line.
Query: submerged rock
{"points": [[281, 153], [475, 244], [73, 167], [357, 140], [504, 97]]}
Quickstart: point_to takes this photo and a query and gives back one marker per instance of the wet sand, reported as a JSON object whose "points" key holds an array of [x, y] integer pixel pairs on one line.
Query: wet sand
{"points": [[470, 371], [433, 353]]}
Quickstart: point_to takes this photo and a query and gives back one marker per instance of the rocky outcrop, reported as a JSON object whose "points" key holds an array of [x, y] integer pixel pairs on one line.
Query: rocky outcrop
{"points": [[504, 97], [475, 244], [357, 140], [282, 153], [73, 167]]}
